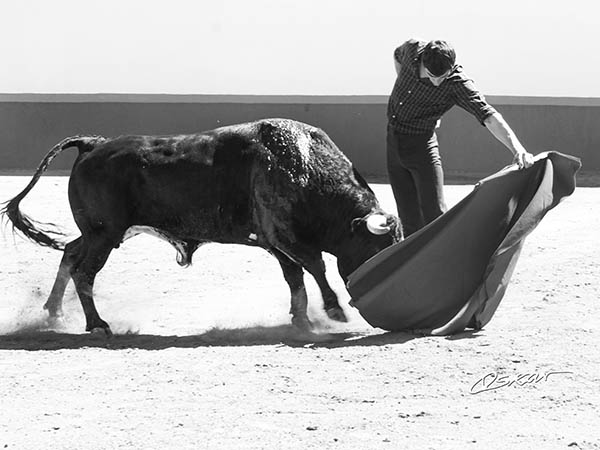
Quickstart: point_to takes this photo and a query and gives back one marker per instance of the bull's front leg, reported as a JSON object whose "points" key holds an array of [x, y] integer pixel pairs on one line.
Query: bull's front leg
{"points": [[330, 300], [294, 276]]}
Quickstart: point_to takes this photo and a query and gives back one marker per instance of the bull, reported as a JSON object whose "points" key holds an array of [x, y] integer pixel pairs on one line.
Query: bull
{"points": [[277, 184]]}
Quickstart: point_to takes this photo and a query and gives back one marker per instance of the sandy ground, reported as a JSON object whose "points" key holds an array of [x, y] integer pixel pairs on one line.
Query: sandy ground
{"points": [[204, 357]]}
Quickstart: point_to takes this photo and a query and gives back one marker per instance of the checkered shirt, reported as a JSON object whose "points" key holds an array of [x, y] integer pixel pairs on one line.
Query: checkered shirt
{"points": [[415, 104]]}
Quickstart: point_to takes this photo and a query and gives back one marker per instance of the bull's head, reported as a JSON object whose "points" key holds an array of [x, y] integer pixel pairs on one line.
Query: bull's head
{"points": [[369, 235]]}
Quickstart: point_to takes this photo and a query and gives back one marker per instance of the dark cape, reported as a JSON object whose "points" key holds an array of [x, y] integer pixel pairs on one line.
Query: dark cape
{"points": [[453, 273]]}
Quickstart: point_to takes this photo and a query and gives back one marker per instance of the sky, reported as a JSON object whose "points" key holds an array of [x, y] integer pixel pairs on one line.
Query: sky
{"points": [[304, 47]]}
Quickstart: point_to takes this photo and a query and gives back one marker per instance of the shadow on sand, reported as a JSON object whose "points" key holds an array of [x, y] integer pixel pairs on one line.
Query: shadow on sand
{"points": [[217, 337]]}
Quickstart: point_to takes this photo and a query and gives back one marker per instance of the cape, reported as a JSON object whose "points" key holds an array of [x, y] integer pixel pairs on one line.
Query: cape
{"points": [[453, 273]]}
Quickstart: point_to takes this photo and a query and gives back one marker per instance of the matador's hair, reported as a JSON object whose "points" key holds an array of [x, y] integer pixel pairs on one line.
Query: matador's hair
{"points": [[438, 57]]}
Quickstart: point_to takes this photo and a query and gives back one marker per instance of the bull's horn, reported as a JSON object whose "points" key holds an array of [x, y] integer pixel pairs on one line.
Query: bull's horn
{"points": [[377, 224]]}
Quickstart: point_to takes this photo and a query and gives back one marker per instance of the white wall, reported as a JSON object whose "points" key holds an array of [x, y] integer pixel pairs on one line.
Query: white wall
{"points": [[317, 47]]}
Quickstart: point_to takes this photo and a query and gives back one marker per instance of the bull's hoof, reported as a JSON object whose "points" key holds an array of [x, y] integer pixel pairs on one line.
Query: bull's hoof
{"points": [[53, 310], [99, 331], [336, 313], [55, 321], [302, 323], [98, 326]]}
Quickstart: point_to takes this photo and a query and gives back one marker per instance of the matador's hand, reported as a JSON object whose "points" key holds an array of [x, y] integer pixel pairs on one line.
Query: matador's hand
{"points": [[524, 159]]}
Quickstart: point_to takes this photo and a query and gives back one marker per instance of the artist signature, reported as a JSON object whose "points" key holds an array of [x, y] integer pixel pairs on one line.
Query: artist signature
{"points": [[495, 380]]}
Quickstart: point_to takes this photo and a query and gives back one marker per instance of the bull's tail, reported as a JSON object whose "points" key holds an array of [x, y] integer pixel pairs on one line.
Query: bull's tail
{"points": [[45, 234]]}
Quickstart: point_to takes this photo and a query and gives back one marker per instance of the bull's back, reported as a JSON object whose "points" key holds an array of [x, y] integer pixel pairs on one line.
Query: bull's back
{"points": [[177, 183]]}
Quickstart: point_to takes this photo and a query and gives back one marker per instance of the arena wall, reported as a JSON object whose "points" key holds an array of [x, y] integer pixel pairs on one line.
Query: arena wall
{"points": [[33, 123]]}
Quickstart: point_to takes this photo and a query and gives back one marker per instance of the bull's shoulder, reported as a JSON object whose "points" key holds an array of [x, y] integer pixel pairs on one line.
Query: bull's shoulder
{"points": [[284, 134], [300, 152], [289, 137]]}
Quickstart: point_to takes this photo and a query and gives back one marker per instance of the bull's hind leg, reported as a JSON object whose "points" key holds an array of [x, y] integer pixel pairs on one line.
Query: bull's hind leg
{"points": [[54, 303], [294, 277], [95, 249]]}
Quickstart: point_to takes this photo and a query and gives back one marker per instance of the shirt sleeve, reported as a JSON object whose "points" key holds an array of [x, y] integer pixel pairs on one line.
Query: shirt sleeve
{"points": [[471, 100], [401, 53]]}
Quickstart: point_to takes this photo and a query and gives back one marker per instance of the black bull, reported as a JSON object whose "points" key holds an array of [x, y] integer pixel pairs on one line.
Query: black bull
{"points": [[276, 184]]}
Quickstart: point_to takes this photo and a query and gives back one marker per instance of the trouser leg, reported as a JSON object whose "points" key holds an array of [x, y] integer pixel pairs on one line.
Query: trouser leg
{"points": [[404, 188], [416, 177], [429, 179]]}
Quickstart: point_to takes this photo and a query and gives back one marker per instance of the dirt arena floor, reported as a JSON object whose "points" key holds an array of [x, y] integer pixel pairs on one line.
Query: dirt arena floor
{"points": [[205, 358]]}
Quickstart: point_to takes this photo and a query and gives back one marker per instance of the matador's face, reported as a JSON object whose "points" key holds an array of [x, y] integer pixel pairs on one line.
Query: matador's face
{"points": [[436, 80]]}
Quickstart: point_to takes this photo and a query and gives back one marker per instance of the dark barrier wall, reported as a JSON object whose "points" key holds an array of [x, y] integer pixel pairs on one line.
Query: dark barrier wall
{"points": [[32, 124]]}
